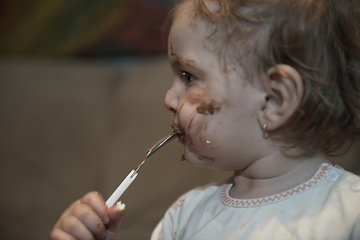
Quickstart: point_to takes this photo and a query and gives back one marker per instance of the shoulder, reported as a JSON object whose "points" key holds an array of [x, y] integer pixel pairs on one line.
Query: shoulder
{"points": [[340, 185], [347, 194], [180, 211], [345, 191], [345, 182]]}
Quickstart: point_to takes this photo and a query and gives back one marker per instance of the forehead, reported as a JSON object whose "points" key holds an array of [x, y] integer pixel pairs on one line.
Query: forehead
{"points": [[188, 36], [189, 17], [187, 20]]}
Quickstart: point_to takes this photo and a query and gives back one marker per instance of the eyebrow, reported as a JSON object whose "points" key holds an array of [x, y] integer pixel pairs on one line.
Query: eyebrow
{"points": [[186, 62]]}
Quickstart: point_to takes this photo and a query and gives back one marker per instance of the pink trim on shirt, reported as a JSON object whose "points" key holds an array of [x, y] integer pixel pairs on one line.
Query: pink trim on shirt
{"points": [[178, 203], [227, 200]]}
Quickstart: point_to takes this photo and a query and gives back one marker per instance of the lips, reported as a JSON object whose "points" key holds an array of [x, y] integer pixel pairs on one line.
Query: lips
{"points": [[181, 133]]}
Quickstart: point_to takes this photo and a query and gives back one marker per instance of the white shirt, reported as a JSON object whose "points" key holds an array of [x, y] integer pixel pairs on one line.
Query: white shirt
{"points": [[325, 207]]}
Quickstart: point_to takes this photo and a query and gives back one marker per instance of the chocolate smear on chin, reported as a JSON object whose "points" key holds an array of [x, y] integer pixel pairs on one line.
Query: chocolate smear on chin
{"points": [[205, 158]]}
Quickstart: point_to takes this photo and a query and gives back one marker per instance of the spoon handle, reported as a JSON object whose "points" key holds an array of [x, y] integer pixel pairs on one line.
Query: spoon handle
{"points": [[133, 174], [121, 188]]}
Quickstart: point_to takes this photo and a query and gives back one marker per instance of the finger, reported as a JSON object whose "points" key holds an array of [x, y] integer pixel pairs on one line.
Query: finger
{"points": [[73, 226], [116, 214], [69, 211], [96, 201], [58, 234], [90, 219]]}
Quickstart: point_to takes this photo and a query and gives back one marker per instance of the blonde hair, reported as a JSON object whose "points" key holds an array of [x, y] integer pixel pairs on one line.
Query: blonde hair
{"points": [[319, 38]]}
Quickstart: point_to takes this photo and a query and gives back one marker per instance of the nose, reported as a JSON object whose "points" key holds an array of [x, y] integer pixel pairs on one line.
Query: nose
{"points": [[171, 99]]}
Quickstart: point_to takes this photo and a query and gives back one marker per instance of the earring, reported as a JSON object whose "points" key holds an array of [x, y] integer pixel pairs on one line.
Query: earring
{"points": [[182, 158], [265, 133]]}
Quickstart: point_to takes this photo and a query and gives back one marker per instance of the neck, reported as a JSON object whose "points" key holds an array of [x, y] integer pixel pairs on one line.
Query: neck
{"points": [[274, 174]]}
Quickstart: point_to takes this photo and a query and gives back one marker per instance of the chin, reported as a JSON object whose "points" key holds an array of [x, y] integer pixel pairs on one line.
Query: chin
{"points": [[197, 160]]}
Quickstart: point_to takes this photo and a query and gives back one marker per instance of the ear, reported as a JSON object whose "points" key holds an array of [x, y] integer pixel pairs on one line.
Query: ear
{"points": [[284, 88]]}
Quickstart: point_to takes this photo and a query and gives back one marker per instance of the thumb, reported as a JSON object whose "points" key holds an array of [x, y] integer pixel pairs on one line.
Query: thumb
{"points": [[116, 214]]}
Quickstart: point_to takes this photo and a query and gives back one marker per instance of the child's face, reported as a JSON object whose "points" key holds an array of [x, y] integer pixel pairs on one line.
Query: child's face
{"points": [[213, 106]]}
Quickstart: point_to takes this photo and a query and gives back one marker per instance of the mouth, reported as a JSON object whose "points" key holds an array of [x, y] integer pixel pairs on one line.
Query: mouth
{"points": [[180, 133]]}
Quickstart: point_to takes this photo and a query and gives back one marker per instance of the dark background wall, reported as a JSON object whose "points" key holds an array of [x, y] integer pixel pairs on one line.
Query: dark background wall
{"points": [[87, 28]]}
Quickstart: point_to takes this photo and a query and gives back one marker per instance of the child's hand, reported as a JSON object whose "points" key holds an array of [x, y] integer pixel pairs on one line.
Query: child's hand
{"points": [[88, 218]]}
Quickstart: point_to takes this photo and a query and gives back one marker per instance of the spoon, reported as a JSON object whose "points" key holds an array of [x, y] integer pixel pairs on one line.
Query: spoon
{"points": [[133, 174]]}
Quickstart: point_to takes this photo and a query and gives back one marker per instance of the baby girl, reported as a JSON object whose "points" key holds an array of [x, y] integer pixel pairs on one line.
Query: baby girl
{"points": [[267, 89]]}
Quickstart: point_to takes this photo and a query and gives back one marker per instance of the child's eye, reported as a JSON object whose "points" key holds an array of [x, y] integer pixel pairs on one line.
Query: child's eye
{"points": [[187, 76]]}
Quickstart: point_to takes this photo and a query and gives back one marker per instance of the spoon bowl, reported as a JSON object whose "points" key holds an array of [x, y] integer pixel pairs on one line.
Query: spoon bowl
{"points": [[156, 147]]}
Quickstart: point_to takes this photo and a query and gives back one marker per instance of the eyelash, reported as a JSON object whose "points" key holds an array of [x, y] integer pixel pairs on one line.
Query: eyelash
{"points": [[187, 76]]}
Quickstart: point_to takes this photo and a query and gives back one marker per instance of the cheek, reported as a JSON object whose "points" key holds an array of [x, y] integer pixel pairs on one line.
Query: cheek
{"points": [[200, 129], [197, 115], [192, 123]]}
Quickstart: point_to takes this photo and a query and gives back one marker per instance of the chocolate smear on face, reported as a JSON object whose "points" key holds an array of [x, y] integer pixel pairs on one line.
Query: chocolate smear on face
{"points": [[189, 126], [189, 62], [171, 51], [205, 158], [208, 108], [199, 133], [184, 138], [201, 128], [179, 109], [213, 148]]}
